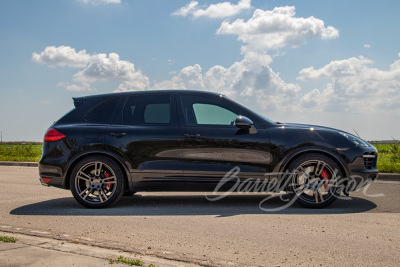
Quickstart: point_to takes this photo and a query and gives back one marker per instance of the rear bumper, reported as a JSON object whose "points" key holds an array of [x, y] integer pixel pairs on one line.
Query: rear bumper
{"points": [[51, 176], [44, 181], [52, 165], [51, 181]]}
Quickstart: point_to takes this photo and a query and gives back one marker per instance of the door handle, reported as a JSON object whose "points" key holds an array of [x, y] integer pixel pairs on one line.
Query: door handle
{"points": [[118, 134], [191, 135]]}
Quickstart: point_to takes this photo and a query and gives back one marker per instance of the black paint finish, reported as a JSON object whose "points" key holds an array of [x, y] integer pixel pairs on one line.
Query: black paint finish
{"points": [[178, 154]]}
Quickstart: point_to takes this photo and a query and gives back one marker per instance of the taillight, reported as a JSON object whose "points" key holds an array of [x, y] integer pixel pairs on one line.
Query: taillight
{"points": [[53, 135]]}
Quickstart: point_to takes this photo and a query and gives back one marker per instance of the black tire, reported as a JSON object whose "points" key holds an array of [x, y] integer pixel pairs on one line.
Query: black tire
{"points": [[97, 182], [314, 180]]}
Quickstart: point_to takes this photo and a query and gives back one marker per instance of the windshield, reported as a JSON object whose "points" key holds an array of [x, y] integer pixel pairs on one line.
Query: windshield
{"points": [[252, 111], [265, 118]]}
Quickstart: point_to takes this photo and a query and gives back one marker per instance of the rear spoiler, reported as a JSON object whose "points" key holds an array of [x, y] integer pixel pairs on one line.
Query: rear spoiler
{"points": [[79, 101]]}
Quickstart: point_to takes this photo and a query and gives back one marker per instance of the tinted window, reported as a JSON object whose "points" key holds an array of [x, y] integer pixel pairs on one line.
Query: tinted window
{"points": [[153, 109], [200, 110], [102, 113], [157, 113], [212, 114]]}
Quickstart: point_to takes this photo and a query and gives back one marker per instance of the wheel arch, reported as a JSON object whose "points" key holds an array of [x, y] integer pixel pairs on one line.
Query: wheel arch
{"points": [[76, 159], [296, 154]]}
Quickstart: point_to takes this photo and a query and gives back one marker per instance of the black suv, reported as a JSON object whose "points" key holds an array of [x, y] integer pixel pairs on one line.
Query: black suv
{"points": [[180, 140]]}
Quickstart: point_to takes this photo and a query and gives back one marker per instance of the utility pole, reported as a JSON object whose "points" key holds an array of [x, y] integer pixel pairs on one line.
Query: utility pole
{"points": [[1, 136]]}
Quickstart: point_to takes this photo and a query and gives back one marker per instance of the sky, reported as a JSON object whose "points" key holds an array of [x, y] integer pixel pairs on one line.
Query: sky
{"points": [[331, 63]]}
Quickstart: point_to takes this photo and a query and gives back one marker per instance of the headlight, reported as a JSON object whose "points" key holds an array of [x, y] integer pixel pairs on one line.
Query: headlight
{"points": [[357, 141]]}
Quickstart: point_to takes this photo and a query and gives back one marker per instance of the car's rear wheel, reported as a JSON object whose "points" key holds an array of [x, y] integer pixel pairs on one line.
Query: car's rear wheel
{"points": [[97, 182], [314, 180]]}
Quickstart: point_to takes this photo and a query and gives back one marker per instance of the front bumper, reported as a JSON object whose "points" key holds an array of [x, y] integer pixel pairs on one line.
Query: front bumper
{"points": [[360, 178], [362, 172]]}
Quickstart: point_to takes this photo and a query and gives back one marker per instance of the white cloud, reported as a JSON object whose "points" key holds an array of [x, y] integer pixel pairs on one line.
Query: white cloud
{"points": [[97, 67], [336, 69], [62, 56], [188, 78], [191, 77], [140, 83], [277, 28], [367, 46], [44, 101], [187, 9], [219, 10], [251, 81], [100, 2], [83, 87], [354, 86], [103, 68]]}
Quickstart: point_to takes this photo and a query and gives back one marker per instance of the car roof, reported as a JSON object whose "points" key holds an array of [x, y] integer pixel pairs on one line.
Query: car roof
{"points": [[152, 92], [98, 97]]}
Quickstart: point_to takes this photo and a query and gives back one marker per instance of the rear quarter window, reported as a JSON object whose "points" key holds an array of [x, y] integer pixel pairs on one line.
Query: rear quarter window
{"points": [[103, 113]]}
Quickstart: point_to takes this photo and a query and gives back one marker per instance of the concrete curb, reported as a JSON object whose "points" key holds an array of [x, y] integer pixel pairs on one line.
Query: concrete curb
{"points": [[389, 176], [382, 176], [23, 164], [34, 250]]}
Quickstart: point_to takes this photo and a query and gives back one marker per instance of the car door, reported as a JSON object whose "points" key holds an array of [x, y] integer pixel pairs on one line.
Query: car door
{"points": [[213, 145], [147, 135]]}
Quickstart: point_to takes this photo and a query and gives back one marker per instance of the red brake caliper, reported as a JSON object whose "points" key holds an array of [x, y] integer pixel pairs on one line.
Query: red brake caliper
{"points": [[106, 174], [325, 175]]}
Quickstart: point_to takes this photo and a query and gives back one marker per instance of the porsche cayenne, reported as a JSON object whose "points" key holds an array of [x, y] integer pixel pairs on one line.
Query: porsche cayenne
{"points": [[180, 140]]}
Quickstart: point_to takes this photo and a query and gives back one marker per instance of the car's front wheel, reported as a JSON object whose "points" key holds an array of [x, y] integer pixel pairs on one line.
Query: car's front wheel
{"points": [[314, 180], [97, 182]]}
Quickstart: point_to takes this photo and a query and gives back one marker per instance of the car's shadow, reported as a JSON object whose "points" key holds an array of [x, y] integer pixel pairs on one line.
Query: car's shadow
{"points": [[191, 205]]}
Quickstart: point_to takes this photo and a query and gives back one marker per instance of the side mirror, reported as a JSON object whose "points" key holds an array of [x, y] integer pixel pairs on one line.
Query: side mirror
{"points": [[243, 122]]}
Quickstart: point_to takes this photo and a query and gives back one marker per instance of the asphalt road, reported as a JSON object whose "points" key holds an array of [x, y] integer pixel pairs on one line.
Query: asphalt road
{"points": [[363, 231]]}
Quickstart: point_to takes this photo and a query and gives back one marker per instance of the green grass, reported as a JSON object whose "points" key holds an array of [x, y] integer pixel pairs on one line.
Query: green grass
{"points": [[388, 158], [7, 239], [130, 262], [28, 152]]}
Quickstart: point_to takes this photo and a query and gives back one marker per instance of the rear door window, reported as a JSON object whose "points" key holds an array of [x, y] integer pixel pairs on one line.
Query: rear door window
{"points": [[147, 110]]}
